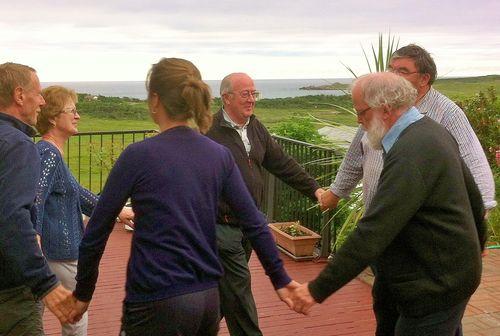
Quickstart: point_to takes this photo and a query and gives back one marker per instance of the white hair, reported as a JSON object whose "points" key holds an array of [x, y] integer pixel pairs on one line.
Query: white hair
{"points": [[386, 89]]}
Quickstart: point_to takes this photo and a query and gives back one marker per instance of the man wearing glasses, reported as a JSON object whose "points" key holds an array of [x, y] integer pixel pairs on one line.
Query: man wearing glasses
{"points": [[236, 127], [363, 162]]}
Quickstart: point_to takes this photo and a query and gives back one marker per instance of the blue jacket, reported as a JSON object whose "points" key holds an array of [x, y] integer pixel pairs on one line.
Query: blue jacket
{"points": [[21, 261], [60, 202]]}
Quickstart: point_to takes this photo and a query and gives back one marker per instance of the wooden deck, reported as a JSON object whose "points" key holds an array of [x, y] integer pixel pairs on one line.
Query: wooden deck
{"points": [[347, 312]]}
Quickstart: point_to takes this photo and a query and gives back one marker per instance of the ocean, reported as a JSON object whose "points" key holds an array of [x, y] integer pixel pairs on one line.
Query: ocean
{"points": [[269, 88]]}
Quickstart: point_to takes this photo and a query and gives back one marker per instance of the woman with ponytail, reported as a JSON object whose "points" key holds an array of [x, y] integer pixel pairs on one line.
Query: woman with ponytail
{"points": [[174, 180]]}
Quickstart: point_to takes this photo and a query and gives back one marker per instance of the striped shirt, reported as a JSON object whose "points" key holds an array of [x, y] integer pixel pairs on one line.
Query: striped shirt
{"points": [[363, 162]]}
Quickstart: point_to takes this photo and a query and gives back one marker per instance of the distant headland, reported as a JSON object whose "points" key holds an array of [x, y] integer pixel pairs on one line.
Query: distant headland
{"points": [[333, 86]]}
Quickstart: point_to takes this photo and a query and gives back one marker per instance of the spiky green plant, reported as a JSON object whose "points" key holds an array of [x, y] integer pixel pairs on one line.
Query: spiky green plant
{"points": [[349, 212], [381, 55]]}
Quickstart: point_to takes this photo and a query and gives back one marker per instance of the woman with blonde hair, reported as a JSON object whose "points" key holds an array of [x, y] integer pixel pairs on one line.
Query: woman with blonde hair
{"points": [[60, 200], [174, 180]]}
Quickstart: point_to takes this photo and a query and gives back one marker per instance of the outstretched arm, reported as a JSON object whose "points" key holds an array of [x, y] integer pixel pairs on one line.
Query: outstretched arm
{"points": [[112, 199], [350, 171], [286, 168]]}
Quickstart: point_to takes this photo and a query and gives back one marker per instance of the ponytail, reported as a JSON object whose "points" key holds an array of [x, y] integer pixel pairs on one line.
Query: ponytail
{"points": [[181, 91], [196, 94]]}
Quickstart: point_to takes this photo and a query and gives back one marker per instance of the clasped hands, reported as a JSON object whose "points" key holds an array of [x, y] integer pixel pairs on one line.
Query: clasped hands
{"points": [[326, 199], [64, 305], [68, 309], [297, 297]]}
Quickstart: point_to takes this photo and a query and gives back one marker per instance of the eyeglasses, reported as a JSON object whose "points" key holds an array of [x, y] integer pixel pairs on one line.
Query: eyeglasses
{"points": [[247, 93], [73, 111], [402, 71], [360, 113]]}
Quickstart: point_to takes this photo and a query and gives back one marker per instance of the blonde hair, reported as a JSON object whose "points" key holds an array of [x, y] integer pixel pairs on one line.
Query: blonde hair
{"points": [[13, 75], [181, 91], [55, 98]]}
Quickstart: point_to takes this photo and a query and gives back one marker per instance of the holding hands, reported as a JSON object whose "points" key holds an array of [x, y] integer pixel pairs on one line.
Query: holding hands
{"points": [[59, 303], [328, 200], [64, 305], [79, 308], [126, 216], [297, 297]]}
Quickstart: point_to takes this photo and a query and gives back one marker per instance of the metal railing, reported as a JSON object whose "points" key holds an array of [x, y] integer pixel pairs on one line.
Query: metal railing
{"points": [[283, 203], [91, 155]]}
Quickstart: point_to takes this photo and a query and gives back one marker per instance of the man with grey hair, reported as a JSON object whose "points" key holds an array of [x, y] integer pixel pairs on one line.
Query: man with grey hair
{"points": [[254, 150], [25, 276], [416, 65], [362, 162], [425, 195]]}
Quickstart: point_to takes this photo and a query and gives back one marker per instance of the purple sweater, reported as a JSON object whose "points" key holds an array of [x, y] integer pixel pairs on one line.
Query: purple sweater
{"points": [[174, 180]]}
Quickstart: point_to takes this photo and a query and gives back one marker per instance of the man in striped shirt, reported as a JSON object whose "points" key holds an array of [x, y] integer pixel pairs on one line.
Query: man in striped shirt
{"points": [[363, 162]]}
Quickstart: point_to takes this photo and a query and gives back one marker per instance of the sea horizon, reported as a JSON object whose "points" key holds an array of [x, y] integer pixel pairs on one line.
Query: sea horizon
{"points": [[269, 88]]}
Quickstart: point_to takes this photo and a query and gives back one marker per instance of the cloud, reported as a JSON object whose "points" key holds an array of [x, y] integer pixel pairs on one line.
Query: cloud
{"points": [[111, 40]]}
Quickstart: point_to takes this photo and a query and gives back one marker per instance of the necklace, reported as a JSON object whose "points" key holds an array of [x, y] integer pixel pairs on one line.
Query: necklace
{"points": [[50, 139]]}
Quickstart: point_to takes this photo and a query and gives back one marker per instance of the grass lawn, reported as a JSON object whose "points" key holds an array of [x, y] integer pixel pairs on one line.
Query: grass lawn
{"points": [[268, 116], [460, 88], [93, 124]]}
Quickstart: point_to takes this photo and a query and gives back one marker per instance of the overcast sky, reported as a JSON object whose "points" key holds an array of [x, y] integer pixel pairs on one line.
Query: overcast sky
{"points": [[119, 40]]}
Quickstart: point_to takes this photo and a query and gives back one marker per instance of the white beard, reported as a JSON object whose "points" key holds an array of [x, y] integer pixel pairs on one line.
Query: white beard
{"points": [[376, 133]]}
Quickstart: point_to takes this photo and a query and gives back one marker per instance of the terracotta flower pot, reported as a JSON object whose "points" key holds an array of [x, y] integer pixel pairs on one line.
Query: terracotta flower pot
{"points": [[299, 246]]}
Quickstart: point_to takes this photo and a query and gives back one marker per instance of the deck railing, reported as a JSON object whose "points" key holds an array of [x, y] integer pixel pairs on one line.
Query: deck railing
{"points": [[90, 156]]}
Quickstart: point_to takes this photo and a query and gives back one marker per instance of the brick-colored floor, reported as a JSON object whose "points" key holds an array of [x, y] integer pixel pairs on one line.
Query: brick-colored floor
{"points": [[482, 317], [347, 312]]}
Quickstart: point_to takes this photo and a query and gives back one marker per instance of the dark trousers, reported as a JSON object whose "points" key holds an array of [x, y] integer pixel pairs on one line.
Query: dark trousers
{"points": [[237, 302], [193, 314], [19, 313], [447, 322], [384, 308], [391, 323]]}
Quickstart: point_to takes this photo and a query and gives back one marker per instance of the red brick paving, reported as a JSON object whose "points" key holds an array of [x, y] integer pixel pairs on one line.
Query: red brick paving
{"points": [[347, 312], [482, 317]]}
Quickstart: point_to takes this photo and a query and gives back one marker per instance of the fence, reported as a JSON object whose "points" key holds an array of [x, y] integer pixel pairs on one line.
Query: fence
{"points": [[90, 156], [283, 203]]}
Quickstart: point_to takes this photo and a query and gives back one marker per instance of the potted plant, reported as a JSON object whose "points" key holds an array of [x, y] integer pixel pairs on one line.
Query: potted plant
{"points": [[294, 238]]}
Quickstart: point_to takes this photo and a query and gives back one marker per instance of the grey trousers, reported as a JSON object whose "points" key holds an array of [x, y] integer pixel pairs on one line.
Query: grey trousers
{"points": [[237, 302], [66, 273]]}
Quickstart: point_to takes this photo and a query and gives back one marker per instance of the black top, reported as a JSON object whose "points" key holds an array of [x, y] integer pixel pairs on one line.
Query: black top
{"points": [[424, 230], [21, 261], [265, 153]]}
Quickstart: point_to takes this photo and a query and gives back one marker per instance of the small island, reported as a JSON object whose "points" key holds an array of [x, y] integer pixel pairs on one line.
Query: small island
{"points": [[333, 86]]}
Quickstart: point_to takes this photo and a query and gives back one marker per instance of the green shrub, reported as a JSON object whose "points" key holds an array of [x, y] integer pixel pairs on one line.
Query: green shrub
{"points": [[483, 112], [299, 128]]}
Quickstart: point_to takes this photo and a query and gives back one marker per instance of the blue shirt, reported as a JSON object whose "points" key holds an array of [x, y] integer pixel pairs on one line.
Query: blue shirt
{"points": [[60, 202], [408, 118], [174, 180], [21, 261]]}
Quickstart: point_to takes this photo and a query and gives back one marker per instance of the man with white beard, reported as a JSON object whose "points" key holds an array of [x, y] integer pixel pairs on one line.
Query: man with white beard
{"points": [[426, 217], [362, 162]]}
